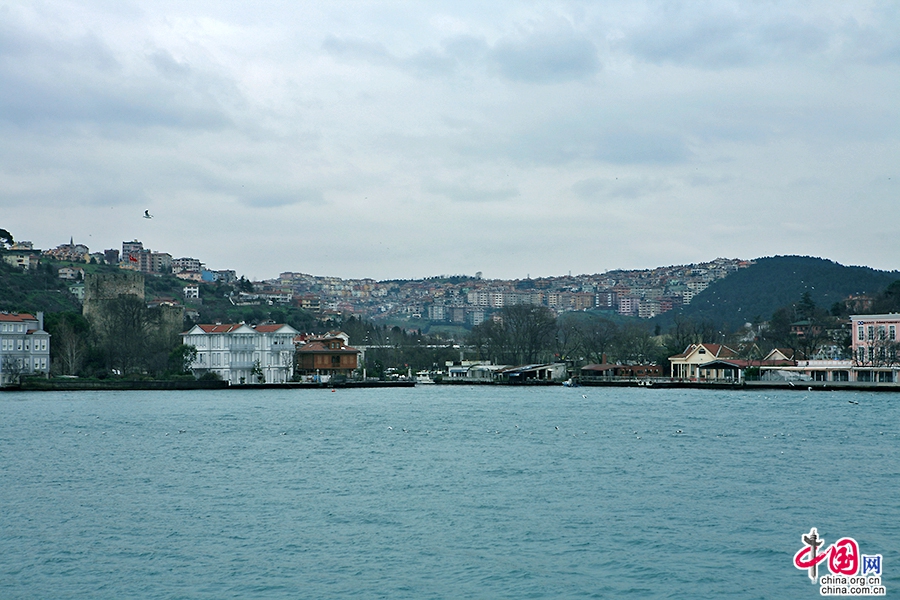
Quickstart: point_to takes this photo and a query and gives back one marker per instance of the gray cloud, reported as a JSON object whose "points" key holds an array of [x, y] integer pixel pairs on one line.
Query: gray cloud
{"points": [[400, 117], [567, 140], [546, 57], [281, 198], [719, 35], [595, 188], [464, 192], [167, 66], [357, 49], [535, 57], [79, 79]]}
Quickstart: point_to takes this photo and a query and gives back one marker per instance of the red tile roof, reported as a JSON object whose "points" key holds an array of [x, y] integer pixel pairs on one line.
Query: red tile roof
{"points": [[17, 318], [716, 350], [219, 327], [269, 328], [317, 346]]}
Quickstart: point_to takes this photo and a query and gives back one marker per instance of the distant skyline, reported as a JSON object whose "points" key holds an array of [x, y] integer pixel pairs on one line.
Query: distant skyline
{"points": [[404, 140]]}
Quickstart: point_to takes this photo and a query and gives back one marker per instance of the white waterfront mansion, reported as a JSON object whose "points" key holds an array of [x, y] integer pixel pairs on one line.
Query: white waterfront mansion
{"points": [[239, 353], [24, 346]]}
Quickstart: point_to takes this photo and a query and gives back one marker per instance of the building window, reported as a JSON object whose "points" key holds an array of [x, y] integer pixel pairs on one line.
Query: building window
{"points": [[870, 330], [881, 332], [892, 332]]}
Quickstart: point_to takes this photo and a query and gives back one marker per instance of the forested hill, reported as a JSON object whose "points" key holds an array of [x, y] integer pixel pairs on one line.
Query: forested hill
{"points": [[756, 292]]}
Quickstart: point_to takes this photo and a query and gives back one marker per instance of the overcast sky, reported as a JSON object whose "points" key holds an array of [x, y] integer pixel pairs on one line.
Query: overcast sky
{"points": [[409, 139]]}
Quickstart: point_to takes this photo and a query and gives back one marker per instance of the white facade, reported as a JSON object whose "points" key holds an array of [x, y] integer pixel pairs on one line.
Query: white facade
{"points": [[239, 353], [181, 265], [24, 346]]}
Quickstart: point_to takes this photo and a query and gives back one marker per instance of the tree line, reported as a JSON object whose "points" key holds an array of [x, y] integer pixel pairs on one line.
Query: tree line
{"points": [[126, 338]]}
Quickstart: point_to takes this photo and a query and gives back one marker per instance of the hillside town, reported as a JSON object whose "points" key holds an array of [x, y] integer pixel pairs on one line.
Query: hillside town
{"points": [[857, 349], [462, 300]]}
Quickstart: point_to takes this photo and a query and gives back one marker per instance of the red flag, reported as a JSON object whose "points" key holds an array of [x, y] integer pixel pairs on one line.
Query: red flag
{"points": [[132, 258]]}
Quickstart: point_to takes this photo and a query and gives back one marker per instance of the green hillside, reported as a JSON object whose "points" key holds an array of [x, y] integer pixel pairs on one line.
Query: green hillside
{"points": [[754, 293], [35, 291]]}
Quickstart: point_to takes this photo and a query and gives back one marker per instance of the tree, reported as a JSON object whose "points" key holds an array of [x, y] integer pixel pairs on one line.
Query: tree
{"points": [[490, 341], [257, 372], [802, 326], [181, 358], [132, 337], [11, 370], [635, 345], [568, 340], [123, 330], [6, 238], [598, 335], [524, 334], [244, 285], [529, 331], [806, 308], [71, 334], [888, 301], [685, 332]]}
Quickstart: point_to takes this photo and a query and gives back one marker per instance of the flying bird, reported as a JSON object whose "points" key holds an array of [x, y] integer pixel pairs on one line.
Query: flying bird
{"points": [[147, 214]]}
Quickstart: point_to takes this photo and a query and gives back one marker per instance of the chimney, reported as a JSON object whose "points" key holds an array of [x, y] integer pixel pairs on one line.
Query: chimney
{"points": [[40, 318]]}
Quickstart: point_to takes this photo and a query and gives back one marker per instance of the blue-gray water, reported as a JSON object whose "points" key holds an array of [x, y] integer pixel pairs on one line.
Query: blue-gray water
{"points": [[439, 492]]}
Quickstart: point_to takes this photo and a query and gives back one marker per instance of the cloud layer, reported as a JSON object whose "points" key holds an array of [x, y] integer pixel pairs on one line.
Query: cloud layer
{"points": [[404, 140]]}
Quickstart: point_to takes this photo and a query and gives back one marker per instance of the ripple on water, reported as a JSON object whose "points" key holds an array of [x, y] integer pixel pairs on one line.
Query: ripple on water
{"points": [[437, 492]]}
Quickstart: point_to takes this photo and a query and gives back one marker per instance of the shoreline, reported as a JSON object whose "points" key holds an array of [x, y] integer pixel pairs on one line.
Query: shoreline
{"points": [[125, 385]]}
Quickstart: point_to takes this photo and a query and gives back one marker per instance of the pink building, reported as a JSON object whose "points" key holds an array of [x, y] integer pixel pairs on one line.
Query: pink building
{"points": [[876, 348]]}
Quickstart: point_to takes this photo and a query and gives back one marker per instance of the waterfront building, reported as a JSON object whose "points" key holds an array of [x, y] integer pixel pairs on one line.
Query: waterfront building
{"points": [[239, 353], [875, 347], [687, 364], [327, 355], [24, 346], [609, 371]]}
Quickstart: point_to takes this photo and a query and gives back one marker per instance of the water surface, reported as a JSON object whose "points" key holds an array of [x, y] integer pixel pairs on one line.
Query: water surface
{"points": [[439, 492]]}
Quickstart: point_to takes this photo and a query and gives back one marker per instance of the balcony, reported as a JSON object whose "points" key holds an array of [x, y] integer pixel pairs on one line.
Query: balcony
{"points": [[242, 364], [242, 346]]}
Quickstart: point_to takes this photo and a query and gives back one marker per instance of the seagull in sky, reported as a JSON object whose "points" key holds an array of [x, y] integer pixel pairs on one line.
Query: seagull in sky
{"points": [[147, 214]]}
